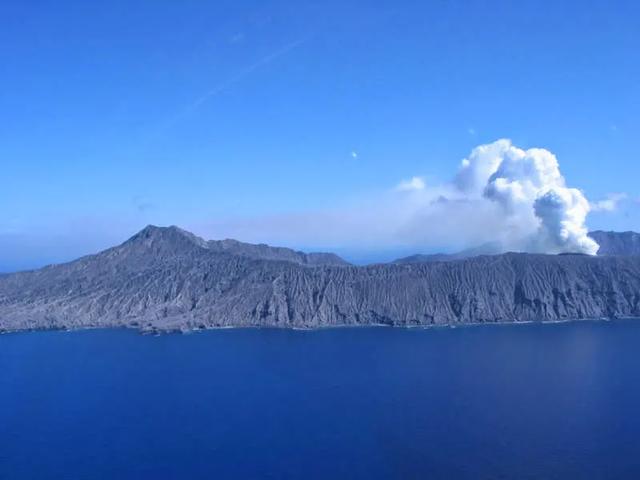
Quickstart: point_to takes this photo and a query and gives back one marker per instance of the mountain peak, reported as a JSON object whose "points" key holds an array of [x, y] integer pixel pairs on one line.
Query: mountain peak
{"points": [[172, 236], [174, 239], [151, 229]]}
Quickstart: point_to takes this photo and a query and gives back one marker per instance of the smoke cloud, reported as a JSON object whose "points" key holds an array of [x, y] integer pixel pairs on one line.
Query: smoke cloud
{"points": [[510, 198], [541, 213]]}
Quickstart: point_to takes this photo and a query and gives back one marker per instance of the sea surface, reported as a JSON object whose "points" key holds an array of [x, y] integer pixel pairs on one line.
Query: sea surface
{"points": [[554, 401]]}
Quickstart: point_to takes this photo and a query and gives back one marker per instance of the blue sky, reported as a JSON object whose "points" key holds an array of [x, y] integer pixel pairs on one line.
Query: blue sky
{"points": [[204, 114]]}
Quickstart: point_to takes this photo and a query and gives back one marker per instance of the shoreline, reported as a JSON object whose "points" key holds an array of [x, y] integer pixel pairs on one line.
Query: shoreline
{"points": [[178, 331]]}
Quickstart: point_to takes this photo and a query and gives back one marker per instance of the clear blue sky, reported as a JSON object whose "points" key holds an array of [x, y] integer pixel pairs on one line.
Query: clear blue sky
{"points": [[117, 114]]}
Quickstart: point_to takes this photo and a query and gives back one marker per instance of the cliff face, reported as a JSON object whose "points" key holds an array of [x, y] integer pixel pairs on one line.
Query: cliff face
{"points": [[165, 278]]}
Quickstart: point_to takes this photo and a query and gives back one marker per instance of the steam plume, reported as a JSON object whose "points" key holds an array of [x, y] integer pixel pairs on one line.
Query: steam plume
{"points": [[541, 212], [510, 198]]}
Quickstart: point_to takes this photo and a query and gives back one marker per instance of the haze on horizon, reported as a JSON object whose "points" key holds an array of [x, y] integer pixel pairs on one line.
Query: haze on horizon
{"points": [[341, 126]]}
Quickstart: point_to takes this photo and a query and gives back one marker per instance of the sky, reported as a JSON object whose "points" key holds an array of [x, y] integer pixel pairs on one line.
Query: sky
{"points": [[298, 123]]}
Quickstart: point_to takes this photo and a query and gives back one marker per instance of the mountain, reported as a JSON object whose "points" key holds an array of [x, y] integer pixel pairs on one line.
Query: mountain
{"points": [[617, 243], [611, 243], [486, 249], [265, 252], [176, 236], [169, 279]]}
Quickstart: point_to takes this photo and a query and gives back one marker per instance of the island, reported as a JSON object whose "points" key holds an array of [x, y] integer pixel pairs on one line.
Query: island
{"points": [[167, 279]]}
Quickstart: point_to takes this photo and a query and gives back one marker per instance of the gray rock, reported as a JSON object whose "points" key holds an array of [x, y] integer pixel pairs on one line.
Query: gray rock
{"points": [[617, 243], [169, 279], [265, 252]]}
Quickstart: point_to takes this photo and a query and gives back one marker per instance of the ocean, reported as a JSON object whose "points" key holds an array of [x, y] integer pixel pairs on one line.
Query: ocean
{"points": [[535, 401]]}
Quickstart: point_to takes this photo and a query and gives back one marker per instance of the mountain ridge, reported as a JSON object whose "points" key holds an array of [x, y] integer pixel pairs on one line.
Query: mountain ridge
{"points": [[164, 239], [165, 279], [611, 243], [617, 243]]}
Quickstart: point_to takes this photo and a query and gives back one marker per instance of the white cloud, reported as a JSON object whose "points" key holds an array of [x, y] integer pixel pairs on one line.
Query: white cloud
{"points": [[608, 204], [354, 154], [412, 184]]}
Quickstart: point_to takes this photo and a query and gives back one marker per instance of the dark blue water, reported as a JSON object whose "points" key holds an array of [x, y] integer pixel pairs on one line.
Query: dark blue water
{"points": [[536, 401]]}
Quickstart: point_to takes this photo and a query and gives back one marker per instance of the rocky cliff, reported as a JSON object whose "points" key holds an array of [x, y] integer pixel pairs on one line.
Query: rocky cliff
{"points": [[169, 279]]}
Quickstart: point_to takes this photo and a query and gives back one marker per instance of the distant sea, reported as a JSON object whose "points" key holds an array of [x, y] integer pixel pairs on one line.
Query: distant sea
{"points": [[554, 401]]}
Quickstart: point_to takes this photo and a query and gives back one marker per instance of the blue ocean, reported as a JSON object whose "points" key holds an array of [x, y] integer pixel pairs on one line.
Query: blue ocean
{"points": [[535, 401]]}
